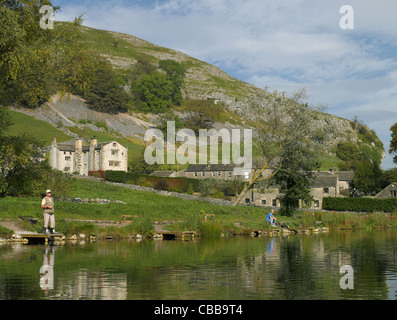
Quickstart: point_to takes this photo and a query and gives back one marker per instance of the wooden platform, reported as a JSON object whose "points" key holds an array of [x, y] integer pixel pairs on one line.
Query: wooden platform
{"points": [[41, 238], [177, 235]]}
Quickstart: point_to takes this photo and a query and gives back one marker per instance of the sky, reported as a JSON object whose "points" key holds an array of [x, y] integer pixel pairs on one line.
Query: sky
{"points": [[283, 45]]}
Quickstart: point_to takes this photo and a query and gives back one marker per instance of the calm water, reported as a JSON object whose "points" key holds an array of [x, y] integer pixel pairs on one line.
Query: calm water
{"points": [[295, 267]]}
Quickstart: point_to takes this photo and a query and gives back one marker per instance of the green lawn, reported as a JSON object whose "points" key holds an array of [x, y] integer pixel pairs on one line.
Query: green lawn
{"points": [[143, 204]]}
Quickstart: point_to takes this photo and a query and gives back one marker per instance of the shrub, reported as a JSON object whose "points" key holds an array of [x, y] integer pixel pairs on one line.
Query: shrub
{"points": [[191, 222], [161, 185], [211, 229], [97, 174], [174, 184], [360, 204]]}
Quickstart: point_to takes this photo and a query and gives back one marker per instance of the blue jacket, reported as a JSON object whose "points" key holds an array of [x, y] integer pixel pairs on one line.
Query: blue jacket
{"points": [[269, 216]]}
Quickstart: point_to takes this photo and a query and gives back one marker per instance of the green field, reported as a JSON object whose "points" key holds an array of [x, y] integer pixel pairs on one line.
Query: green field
{"points": [[151, 208], [145, 205]]}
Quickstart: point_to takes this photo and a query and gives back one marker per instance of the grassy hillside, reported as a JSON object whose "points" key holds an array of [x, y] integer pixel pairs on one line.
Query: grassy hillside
{"points": [[202, 79], [203, 82], [39, 129]]}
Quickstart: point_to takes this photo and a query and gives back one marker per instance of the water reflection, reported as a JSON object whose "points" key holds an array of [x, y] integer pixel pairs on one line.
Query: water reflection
{"points": [[47, 270], [294, 267], [94, 283]]}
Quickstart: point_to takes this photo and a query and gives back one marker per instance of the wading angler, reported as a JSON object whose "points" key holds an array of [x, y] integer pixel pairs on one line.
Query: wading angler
{"points": [[158, 150]]}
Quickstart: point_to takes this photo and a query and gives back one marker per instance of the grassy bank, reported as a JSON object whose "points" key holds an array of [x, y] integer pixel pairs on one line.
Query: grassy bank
{"points": [[151, 208]]}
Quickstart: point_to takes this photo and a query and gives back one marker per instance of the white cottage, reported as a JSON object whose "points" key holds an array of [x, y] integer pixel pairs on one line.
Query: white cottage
{"points": [[76, 158]]}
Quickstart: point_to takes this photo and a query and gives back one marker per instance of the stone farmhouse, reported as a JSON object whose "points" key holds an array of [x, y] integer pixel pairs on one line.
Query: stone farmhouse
{"points": [[74, 157], [389, 192], [323, 184]]}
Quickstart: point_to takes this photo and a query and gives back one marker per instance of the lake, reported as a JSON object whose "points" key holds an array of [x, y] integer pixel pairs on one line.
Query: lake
{"points": [[241, 268]]}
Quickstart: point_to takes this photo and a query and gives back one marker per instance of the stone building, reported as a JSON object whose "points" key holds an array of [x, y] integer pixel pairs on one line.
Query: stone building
{"points": [[74, 157], [323, 184], [214, 171], [389, 192], [345, 177]]}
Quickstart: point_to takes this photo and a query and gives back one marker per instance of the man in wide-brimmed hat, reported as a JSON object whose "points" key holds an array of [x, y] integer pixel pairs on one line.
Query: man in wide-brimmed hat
{"points": [[48, 210]]}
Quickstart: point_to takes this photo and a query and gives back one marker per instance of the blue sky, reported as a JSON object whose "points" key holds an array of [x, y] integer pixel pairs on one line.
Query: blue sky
{"points": [[284, 45]]}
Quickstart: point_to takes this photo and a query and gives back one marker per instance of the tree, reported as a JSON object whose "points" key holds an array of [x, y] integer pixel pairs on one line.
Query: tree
{"points": [[388, 177], [284, 140], [155, 91], [35, 62], [19, 165], [176, 73], [139, 165], [169, 116], [23, 172], [393, 142], [348, 151], [294, 176], [105, 94], [367, 177]]}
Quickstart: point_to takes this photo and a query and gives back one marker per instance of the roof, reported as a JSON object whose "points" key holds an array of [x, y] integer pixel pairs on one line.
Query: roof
{"points": [[162, 173], [71, 146], [391, 186], [210, 167], [323, 181], [345, 175]]}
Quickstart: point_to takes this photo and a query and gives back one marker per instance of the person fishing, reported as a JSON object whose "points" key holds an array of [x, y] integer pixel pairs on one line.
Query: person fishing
{"points": [[48, 210], [271, 219]]}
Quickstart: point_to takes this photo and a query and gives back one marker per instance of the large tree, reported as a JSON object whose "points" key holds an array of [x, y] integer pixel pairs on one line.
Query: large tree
{"points": [[284, 142], [36, 62], [393, 142]]}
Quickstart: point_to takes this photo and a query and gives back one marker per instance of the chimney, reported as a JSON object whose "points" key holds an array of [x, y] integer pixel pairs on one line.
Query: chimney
{"points": [[94, 142], [54, 142], [79, 145]]}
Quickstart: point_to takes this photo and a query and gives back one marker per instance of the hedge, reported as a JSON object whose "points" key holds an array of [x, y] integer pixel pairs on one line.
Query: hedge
{"points": [[360, 204], [181, 184], [162, 183]]}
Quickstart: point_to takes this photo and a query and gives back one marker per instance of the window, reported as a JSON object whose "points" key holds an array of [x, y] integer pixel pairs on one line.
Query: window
{"points": [[316, 203], [274, 203], [114, 144], [326, 190], [247, 200], [66, 169], [195, 174], [230, 174], [213, 174], [203, 174], [264, 202], [219, 174], [67, 158], [393, 193], [114, 163], [114, 152]]}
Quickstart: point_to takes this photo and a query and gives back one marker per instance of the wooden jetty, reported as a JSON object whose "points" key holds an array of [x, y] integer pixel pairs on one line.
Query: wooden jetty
{"points": [[41, 238], [176, 235]]}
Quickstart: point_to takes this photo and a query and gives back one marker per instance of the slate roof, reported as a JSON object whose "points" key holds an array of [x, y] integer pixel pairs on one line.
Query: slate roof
{"points": [[71, 147], [162, 173], [323, 181], [210, 167]]}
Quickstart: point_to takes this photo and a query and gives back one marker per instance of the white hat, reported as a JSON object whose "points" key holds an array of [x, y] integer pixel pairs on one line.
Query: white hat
{"points": [[48, 191]]}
